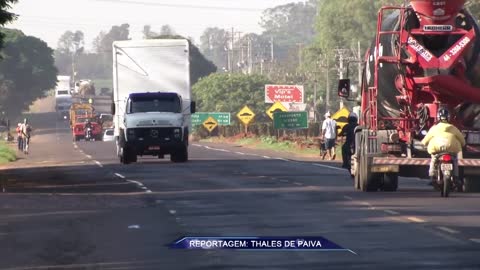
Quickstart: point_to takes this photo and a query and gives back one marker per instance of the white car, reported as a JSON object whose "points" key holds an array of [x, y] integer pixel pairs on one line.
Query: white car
{"points": [[108, 135]]}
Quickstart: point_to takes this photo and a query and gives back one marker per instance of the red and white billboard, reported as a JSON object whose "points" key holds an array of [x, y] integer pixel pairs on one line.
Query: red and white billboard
{"points": [[284, 93]]}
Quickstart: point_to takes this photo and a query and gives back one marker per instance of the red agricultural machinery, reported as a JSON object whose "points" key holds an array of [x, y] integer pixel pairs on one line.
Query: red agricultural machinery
{"points": [[425, 56]]}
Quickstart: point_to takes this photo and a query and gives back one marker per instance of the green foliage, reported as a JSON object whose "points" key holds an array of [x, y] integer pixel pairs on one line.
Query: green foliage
{"points": [[7, 154], [289, 24], [6, 16], [230, 92], [27, 71]]}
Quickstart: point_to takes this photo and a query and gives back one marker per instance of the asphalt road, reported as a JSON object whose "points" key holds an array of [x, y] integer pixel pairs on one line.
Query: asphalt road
{"points": [[73, 206]]}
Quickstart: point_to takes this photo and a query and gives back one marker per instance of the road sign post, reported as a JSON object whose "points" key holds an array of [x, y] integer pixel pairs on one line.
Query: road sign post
{"points": [[276, 107], [290, 120], [222, 118], [210, 124], [245, 115]]}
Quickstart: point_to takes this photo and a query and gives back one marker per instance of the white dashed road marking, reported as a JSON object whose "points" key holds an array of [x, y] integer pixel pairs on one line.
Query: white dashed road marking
{"points": [[391, 212], [415, 219], [348, 198], [88, 156], [172, 212], [119, 175], [475, 240], [99, 164], [446, 229], [329, 167], [240, 153]]}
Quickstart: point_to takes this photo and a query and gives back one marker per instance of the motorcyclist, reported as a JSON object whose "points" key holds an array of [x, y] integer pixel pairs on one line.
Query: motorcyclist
{"points": [[88, 125], [443, 138], [349, 132]]}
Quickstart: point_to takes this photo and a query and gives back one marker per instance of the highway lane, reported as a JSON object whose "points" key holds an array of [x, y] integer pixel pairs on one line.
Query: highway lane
{"points": [[224, 190]]}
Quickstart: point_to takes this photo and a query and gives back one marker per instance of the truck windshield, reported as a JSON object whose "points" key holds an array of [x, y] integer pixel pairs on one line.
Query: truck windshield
{"points": [[155, 104]]}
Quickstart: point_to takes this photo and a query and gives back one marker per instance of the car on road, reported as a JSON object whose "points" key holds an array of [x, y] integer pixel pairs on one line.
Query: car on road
{"points": [[108, 135]]}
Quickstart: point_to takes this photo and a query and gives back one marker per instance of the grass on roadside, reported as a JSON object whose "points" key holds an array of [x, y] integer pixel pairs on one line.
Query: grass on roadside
{"points": [[7, 154]]}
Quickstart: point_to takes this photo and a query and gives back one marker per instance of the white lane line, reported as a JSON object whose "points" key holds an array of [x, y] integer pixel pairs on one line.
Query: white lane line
{"points": [[173, 212], [415, 219], [99, 164], [148, 191], [282, 159], [88, 156], [284, 181], [298, 184], [391, 212], [119, 175], [197, 145], [448, 230], [329, 167], [240, 153], [348, 198], [267, 157], [475, 240], [135, 182]]}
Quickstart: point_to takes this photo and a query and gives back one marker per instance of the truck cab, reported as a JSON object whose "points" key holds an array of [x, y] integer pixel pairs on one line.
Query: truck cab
{"points": [[155, 125]]}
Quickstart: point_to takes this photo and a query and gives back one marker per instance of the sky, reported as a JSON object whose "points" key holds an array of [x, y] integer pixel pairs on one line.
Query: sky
{"points": [[49, 19]]}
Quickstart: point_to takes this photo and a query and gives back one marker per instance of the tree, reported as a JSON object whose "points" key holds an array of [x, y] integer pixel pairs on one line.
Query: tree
{"points": [[26, 72], [167, 30], [222, 92], [214, 44], [6, 16], [288, 25], [71, 42], [199, 65]]}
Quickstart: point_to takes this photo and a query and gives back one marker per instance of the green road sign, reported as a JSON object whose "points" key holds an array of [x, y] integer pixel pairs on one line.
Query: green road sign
{"points": [[290, 120], [223, 118]]}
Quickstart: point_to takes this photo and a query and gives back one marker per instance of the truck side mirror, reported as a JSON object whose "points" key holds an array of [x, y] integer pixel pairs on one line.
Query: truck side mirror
{"points": [[113, 108], [193, 108], [344, 88]]}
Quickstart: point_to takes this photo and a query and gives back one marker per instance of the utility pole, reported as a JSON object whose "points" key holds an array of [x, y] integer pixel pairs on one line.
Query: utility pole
{"points": [[327, 89], [232, 57], [250, 56], [359, 89], [300, 46]]}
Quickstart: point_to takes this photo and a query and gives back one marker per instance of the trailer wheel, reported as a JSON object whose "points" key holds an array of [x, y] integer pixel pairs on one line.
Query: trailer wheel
{"points": [[471, 184], [390, 182]]}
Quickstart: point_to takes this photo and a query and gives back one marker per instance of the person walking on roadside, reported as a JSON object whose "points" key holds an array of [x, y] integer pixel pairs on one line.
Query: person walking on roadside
{"points": [[349, 132], [19, 137], [329, 135], [26, 134]]}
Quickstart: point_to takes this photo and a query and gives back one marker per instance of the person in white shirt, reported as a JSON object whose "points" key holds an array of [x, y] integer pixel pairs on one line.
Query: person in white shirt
{"points": [[329, 135]]}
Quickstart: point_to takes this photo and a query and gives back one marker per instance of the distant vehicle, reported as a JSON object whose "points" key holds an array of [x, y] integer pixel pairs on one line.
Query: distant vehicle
{"points": [[152, 96], [108, 135], [63, 87]]}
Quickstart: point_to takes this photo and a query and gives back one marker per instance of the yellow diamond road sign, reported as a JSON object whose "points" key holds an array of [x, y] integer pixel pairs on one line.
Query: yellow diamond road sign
{"points": [[245, 115], [210, 124], [276, 107], [341, 117]]}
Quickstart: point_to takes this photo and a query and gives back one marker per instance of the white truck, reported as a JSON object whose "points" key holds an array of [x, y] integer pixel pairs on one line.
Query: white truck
{"points": [[152, 103], [63, 97]]}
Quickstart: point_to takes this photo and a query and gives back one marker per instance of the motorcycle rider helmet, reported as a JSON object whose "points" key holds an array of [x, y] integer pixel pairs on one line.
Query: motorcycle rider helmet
{"points": [[443, 115]]}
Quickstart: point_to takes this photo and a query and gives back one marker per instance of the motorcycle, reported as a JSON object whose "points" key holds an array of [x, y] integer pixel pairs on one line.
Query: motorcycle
{"points": [[445, 173], [88, 134]]}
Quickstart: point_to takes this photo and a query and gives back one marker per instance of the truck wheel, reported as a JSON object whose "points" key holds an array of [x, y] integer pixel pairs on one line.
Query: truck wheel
{"points": [[390, 182], [76, 138], [181, 155], [471, 184], [368, 181]]}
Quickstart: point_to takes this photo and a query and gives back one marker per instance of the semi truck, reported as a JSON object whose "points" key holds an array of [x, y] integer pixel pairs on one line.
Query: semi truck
{"points": [[425, 56], [152, 102]]}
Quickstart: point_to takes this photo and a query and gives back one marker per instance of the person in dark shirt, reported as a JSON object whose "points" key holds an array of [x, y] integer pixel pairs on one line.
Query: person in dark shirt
{"points": [[348, 131]]}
